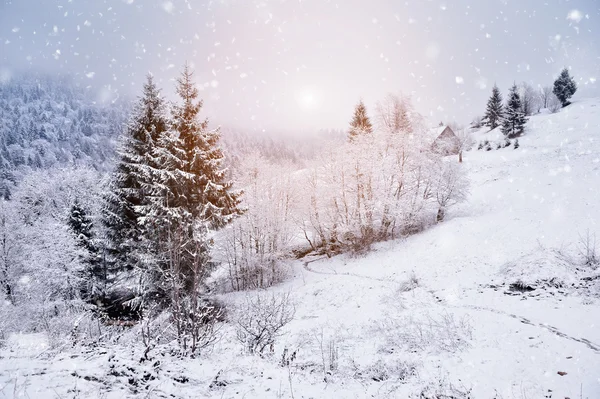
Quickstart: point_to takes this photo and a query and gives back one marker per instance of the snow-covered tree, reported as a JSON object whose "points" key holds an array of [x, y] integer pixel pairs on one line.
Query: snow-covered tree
{"points": [[545, 94], [529, 99], [376, 187], [513, 123], [564, 87], [11, 248], [205, 191], [256, 244], [93, 276], [191, 197], [393, 115], [494, 110], [360, 124], [449, 186], [134, 174]]}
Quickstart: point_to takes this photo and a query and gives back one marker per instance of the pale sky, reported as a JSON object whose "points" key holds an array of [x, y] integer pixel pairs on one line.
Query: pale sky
{"points": [[300, 65]]}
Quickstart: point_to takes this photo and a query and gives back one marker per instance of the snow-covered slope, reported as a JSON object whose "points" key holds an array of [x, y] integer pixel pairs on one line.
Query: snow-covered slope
{"points": [[428, 314]]}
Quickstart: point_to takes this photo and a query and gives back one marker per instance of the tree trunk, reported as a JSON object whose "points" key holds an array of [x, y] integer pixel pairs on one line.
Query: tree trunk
{"points": [[440, 214]]}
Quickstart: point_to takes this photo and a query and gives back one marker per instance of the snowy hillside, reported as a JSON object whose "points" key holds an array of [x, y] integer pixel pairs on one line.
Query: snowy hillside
{"points": [[494, 302]]}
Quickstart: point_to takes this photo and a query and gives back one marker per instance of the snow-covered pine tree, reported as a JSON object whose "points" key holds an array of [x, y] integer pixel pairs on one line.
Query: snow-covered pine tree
{"points": [[208, 192], [494, 110], [513, 123], [360, 124], [94, 272], [564, 87], [197, 198], [133, 180]]}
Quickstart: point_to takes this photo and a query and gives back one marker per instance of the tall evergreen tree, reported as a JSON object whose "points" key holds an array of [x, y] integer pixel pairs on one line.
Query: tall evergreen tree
{"points": [[360, 124], [133, 178], [513, 123], [194, 193], [564, 87], [494, 110]]}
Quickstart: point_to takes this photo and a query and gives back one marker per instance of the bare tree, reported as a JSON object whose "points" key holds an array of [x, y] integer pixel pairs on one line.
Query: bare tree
{"points": [[393, 115], [554, 104], [451, 186], [528, 98], [545, 95], [465, 142], [261, 318]]}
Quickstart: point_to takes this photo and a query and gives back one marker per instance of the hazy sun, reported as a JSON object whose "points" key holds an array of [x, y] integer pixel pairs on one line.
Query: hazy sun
{"points": [[307, 99]]}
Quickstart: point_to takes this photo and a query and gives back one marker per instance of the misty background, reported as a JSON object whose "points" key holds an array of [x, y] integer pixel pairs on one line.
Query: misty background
{"points": [[303, 65]]}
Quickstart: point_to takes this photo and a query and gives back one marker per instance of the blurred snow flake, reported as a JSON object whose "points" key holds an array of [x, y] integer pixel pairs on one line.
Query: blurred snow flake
{"points": [[214, 83], [15, 29], [459, 80], [90, 75], [243, 75], [168, 6], [128, 1], [575, 16]]}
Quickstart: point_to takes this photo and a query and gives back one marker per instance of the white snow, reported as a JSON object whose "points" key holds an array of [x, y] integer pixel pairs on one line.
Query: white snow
{"points": [[433, 308]]}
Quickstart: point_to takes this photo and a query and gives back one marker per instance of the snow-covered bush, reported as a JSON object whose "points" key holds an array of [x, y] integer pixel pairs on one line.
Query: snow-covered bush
{"points": [[380, 370], [441, 388], [261, 318], [440, 333], [409, 284], [42, 265]]}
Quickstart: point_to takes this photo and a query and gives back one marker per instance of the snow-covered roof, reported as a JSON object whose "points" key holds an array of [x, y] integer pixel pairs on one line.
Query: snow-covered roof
{"points": [[434, 132]]}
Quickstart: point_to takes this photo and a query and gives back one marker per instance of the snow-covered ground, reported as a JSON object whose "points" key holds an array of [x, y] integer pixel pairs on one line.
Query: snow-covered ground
{"points": [[430, 313]]}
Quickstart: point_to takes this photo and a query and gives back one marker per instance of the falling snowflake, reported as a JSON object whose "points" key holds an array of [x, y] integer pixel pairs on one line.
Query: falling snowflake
{"points": [[168, 6], [575, 16]]}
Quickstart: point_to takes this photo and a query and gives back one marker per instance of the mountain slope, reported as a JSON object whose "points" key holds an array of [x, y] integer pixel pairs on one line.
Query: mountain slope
{"points": [[430, 315]]}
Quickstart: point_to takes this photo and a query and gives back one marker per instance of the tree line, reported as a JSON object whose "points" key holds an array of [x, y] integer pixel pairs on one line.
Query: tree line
{"points": [[524, 101]]}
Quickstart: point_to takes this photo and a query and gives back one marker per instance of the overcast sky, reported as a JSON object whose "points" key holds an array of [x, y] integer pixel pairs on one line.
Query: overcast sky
{"points": [[297, 65]]}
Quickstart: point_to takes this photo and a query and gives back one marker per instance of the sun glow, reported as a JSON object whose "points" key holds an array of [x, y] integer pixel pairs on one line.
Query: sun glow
{"points": [[307, 98]]}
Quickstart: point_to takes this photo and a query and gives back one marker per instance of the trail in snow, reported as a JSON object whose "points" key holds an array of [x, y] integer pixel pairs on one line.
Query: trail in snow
{"points": [[594, 347], [552, 329], [308, 268]]}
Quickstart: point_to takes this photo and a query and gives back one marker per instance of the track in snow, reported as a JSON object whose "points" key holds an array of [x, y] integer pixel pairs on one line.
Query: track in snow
{"points": [[524, 320]]}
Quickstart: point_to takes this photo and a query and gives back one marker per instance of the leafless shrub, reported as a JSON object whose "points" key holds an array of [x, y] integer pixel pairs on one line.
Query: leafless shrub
{"points": [[330, 354], [197, 324], [443, 333], [554, 104], [410, 284], [261, 318], [379, 371], [442, 389], [587, 249]]}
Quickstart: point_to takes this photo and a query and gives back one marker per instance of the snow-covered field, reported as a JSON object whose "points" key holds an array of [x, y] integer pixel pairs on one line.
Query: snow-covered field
{"points": [[428, 315]]}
